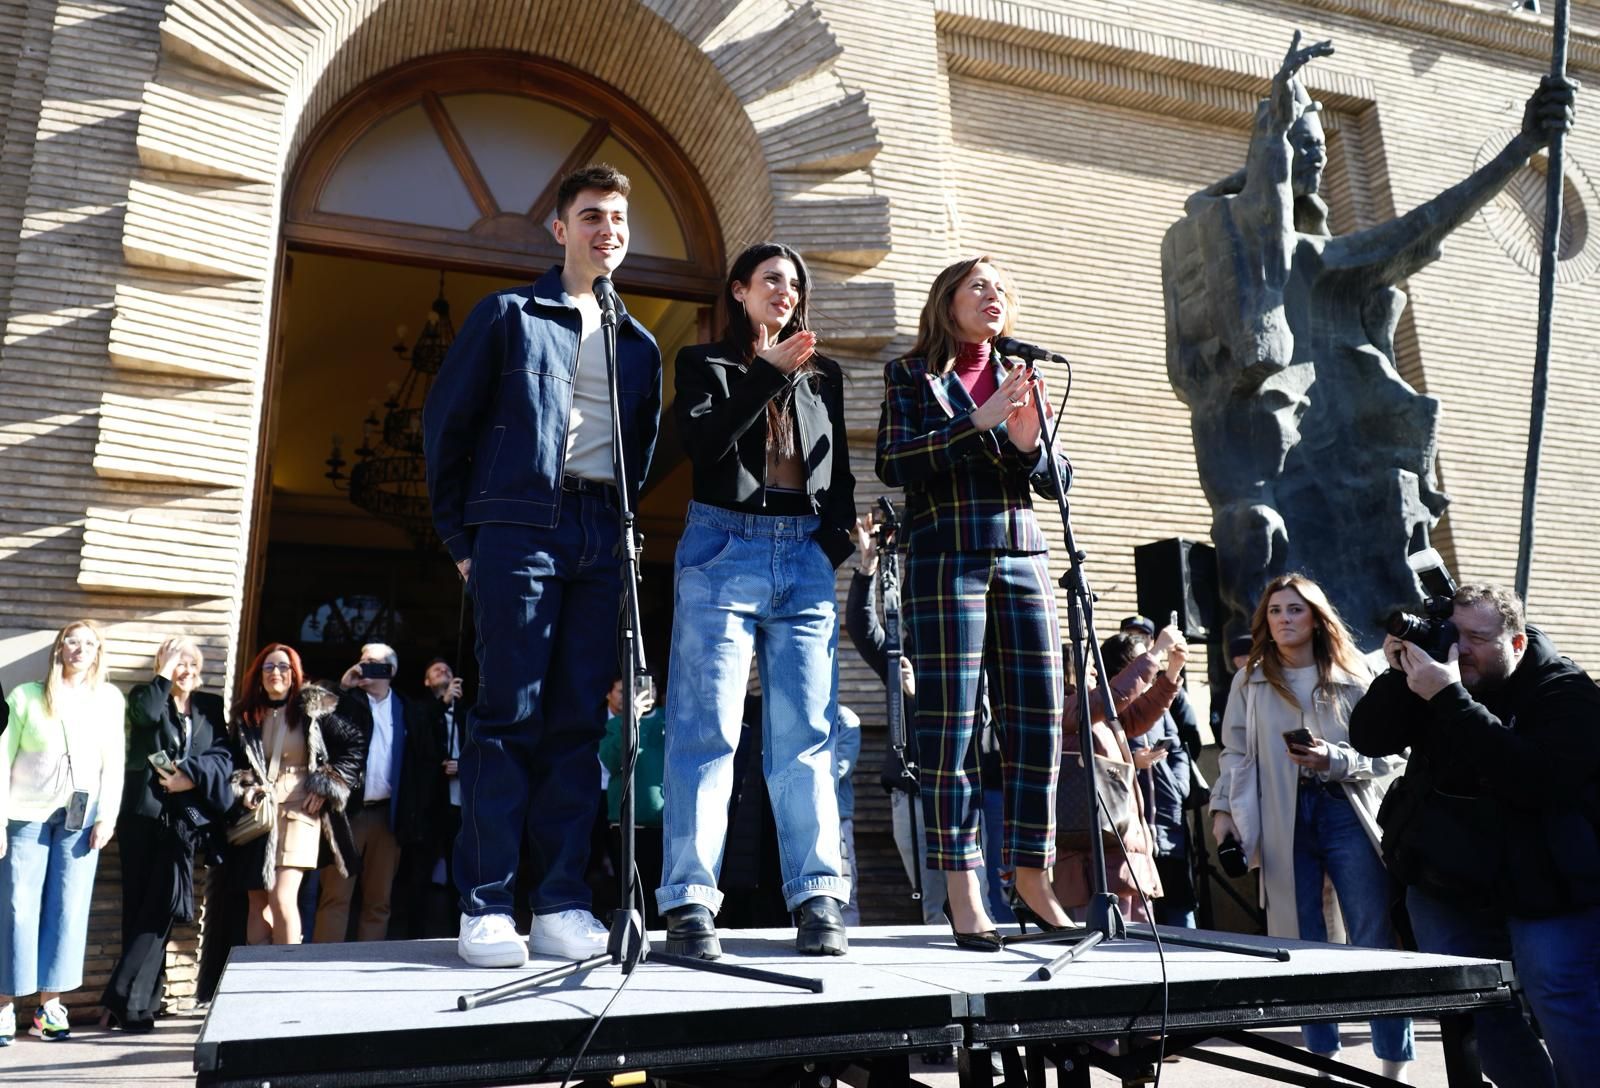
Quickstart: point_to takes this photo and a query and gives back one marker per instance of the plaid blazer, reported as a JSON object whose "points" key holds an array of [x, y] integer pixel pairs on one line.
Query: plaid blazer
{"points": [[966, 489]]}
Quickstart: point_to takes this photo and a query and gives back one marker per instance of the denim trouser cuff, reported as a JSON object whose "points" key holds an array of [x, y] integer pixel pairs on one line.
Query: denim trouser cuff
{"points": [[809, 887], [682, 895]]}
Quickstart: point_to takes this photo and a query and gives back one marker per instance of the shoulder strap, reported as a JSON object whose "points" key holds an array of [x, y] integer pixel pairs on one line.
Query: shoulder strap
{"points": [[277, 749]]}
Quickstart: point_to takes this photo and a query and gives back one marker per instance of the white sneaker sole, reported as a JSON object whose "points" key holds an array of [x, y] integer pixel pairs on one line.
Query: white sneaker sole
{"points": [[503, 954], [549, 946]]}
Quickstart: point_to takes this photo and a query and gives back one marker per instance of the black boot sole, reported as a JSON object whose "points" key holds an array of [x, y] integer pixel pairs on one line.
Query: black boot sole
{"points": [[698, 948], [826, 943]]}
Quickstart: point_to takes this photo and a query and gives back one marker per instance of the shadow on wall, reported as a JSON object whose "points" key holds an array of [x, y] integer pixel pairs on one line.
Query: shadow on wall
{"points": [[24, 654]]}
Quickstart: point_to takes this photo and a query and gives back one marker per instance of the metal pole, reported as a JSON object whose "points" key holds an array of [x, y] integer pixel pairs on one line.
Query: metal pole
{"points": [[1554, 180]]}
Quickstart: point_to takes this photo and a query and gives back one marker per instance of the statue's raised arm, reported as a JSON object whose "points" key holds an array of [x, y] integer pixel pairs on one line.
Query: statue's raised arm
{"points": [[1394, 250]]}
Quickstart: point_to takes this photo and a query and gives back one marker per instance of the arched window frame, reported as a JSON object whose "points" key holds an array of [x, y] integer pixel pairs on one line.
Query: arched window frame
{"points": [[524, 254]]}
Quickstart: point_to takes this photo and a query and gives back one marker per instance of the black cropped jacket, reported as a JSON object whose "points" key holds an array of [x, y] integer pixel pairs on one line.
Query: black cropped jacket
{"points": [[721, 411]]}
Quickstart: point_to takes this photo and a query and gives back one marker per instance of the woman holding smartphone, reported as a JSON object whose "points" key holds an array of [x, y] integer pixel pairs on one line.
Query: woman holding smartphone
{"points": [[960, 433], [174, 798], [761, 415], [1299, 799], [60, 788]]}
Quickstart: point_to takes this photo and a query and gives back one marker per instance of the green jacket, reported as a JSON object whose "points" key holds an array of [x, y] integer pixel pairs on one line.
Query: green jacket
{"points": [[647, 771]]}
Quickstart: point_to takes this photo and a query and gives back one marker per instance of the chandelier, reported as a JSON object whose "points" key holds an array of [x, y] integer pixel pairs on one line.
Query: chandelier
{"points": [[389, 478]]}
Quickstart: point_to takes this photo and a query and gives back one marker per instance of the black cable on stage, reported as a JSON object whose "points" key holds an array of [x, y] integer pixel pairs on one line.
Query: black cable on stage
{"points": [[627, 973]]}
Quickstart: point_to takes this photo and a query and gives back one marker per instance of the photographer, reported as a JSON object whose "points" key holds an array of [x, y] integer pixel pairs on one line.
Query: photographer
{"points": [[1493, 828]]}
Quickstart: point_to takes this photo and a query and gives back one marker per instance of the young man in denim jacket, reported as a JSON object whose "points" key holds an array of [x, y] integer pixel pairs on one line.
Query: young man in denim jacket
{"points": [[521, 478]]}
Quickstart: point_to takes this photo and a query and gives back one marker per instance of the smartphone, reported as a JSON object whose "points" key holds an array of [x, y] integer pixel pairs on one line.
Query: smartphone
{"points": [[1168, 743], [162, 763], [77, 810], [377, 670], [1299, 738]]}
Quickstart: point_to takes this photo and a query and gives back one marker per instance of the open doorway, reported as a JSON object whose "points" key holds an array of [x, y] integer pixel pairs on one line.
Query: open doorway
{"points": [[432, 184], [336, 575]]}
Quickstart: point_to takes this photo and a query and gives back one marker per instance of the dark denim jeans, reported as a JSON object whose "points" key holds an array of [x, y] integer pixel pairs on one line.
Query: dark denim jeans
{"points": [[1558, 963], [546, 607]]}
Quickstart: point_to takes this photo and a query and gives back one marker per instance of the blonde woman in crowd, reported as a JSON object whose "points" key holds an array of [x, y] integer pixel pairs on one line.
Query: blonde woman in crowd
{"points": [[60, 790]]}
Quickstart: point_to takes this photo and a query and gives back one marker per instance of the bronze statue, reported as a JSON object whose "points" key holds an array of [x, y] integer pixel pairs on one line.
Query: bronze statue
{"points": [[1315, 454]]}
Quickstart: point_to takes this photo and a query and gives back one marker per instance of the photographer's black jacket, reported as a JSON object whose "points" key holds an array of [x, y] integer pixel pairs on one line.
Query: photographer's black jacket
{"points": [[1517, 770], [721, 410]]}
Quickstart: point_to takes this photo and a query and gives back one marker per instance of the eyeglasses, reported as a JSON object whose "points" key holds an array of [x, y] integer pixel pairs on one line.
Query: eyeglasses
{"points": [[274, 666], [72, 642]]}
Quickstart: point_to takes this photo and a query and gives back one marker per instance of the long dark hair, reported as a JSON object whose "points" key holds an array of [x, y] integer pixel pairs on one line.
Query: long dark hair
{"points": [[739, 334]]}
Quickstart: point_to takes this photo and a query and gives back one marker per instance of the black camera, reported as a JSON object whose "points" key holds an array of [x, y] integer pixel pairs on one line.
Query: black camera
{"points": [[1433, 631], [1230, 855], [888, 521]]}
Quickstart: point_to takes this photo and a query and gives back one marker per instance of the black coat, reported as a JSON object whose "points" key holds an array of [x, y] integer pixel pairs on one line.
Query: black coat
{"points": [[412, 812], [1500, 803], [721, 410], [152, 725]]}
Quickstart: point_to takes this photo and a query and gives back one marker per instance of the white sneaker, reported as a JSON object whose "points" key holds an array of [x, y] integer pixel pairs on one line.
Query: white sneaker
{"points": [[8, 1023], [491, 940], [568, 934]]}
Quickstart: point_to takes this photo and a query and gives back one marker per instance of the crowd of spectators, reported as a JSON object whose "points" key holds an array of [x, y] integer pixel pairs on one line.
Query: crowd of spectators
{"points": [[360, 789]]}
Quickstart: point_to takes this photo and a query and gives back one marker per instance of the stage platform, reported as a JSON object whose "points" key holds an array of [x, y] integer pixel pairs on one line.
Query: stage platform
{"points": [[385, 1013]]}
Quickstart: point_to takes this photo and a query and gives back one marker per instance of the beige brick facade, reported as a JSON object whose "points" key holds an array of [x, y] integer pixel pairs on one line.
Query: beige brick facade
{"points": [[147, 144]]}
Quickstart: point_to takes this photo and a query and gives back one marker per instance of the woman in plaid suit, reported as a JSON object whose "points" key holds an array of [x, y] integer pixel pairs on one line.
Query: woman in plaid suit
{"points": [[960, 433]]}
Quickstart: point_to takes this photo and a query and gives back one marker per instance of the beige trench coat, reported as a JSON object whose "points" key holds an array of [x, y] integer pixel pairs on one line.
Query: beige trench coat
{"points": [[1258, 784]]}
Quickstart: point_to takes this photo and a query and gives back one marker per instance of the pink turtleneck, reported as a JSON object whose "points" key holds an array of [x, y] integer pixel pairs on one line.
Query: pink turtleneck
{"points": [[972, 367]]}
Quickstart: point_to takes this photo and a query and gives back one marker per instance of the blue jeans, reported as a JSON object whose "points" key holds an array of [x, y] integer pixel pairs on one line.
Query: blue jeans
{"points": [[46, 880], [1558, 963], [749, 584], [1328, 839], [546, 605]]}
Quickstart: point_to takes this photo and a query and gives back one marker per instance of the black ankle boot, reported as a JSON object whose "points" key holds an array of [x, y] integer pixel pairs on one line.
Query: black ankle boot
{"points": [[820, 927], [691, 932]]}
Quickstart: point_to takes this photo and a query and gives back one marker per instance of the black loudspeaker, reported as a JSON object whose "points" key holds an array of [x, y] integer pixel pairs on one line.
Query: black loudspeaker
{"points": [[1179, 576]]}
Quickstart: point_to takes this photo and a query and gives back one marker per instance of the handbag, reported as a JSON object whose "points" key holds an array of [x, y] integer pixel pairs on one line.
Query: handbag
{"points": [[253, 823], [1115, 781]]}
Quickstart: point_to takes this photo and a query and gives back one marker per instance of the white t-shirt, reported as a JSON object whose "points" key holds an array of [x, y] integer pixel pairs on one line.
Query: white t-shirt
{"points": [[589, 429]]}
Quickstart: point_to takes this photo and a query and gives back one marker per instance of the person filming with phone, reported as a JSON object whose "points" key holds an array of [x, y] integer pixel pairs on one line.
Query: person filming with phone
{"points": [[1298, 798], [1494, 830], [388, 807]]}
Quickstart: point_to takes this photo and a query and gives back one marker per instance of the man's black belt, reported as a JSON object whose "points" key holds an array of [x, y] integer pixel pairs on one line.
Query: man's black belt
{"points": [[1311, 782], [587, 487]]}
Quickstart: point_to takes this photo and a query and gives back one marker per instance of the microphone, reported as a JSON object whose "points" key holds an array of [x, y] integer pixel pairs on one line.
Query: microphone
{"points": [[1008, 345], [606, 295]]}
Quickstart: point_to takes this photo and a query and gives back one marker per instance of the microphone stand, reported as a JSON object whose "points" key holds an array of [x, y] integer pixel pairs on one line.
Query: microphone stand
{"points": [[889, 583], [628, 945], [1103, 921]]}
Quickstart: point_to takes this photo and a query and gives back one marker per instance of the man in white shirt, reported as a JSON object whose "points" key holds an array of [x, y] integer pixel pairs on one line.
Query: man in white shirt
{"points": [[377, 807]]}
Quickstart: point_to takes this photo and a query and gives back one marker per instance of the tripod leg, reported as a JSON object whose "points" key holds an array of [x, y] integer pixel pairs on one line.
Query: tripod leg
{"points": [[1088, 941], [555, 974], [755, 973]]}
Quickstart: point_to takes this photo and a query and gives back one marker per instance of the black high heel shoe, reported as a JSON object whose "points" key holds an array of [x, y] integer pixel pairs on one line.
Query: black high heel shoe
{"points": [[1026, 914], [987, 940]]}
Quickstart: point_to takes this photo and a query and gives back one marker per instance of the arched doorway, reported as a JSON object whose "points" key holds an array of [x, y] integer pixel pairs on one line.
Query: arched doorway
{"points": [[424, 190]]}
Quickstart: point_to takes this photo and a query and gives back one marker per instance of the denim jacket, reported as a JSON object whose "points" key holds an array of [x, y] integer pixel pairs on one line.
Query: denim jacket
{"points": [[495, 424]]}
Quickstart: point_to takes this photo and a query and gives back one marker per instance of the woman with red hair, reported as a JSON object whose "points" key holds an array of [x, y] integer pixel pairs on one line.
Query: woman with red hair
{"points": [[288, 744]]}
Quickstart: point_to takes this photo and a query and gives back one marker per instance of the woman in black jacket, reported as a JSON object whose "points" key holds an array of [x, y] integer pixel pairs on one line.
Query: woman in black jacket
{"points": [[321, 759], [762, 417], [165, 817]]}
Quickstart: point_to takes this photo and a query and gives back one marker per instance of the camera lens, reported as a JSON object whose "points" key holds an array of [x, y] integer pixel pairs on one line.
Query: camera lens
{"points": [[1404, 625]]}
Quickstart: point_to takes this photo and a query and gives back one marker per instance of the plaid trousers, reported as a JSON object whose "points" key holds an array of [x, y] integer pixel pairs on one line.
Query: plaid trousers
{"points": [[967, 613]]}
